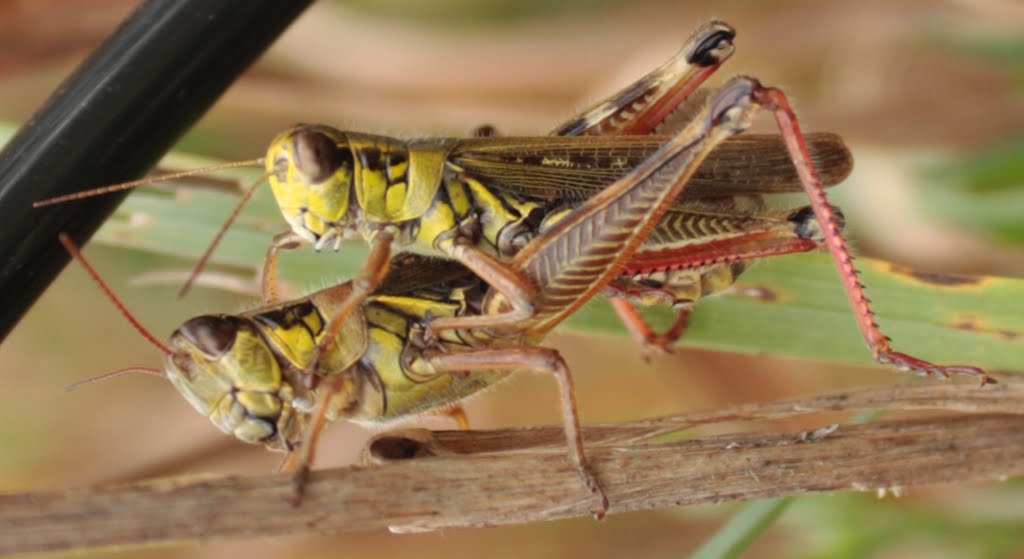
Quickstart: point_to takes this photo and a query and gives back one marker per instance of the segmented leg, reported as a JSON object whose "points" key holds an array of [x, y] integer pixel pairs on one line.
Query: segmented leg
{"points": [[539, 360], [363, 284], [299, 461], [650, 341], [287, 240], [776, 101]]}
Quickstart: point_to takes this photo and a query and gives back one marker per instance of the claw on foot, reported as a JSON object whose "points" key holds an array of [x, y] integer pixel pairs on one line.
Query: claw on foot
{"points": [[431, 336], [595, 488], [656, 344], [906, 362]]}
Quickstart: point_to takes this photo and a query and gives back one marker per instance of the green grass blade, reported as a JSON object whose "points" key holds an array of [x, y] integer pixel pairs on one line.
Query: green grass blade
{"points": [[800, 310], [732, 539]]}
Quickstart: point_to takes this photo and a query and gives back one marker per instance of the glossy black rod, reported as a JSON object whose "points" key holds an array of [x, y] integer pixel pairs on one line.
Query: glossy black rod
{"points": [[112, 119]]}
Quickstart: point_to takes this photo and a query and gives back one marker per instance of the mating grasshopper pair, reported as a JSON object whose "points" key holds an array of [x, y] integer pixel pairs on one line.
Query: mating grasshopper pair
{"points": [[275, 375]]}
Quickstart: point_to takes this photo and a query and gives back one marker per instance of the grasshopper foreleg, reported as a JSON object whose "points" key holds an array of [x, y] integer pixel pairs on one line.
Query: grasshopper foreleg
{"points": [[299, 461], [287, 240], [362, 285]]}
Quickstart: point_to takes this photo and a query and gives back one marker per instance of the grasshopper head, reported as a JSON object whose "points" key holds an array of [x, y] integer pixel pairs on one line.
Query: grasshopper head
{"points": [[224, 369], [311, 172]]}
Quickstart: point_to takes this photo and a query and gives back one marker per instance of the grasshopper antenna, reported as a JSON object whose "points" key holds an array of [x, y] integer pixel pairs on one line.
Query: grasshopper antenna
{"points": [[77, 254], [117, 373], [148, 180], [246, 196]]}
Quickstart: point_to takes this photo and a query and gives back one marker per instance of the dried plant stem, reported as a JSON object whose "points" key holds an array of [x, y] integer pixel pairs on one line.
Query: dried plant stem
{"points": [[467, 478]]}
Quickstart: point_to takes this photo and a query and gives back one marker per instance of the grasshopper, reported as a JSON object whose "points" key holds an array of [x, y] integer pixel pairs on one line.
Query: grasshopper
{"points": [[261, 377], [479, 201]]}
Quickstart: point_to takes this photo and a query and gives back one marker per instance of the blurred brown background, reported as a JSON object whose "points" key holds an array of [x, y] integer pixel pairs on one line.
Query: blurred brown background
{"points": [[897, 79]]}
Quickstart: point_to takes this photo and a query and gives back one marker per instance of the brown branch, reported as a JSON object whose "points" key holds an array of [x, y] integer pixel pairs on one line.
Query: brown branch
{"points": [[522, 475]]}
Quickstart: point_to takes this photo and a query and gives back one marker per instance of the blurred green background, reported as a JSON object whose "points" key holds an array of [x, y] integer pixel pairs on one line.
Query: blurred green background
{"points": [[928, 94]]}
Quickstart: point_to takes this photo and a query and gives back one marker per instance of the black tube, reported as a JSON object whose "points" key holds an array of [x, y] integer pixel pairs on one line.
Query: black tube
{"points": [[112, 119]]}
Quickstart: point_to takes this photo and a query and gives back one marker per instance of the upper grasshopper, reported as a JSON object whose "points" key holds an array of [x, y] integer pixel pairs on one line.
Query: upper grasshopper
{"points": [[478, 201]]}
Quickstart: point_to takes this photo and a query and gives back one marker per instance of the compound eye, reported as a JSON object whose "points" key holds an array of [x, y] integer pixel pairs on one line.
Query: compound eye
{"points": [[317, 156], [213, 335]]}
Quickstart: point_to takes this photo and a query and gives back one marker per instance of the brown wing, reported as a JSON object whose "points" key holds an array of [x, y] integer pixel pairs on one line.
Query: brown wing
{"points": [[409, 272], [573, 168]]}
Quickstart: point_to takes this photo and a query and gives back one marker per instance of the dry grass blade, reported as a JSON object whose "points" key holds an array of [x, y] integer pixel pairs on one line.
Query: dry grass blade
{"points": [[520, 475]]}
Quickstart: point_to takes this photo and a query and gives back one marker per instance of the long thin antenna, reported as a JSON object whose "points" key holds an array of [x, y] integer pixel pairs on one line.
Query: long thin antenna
{"points": [[147, 180], [117, 373], [246, 196], [77, 254]]}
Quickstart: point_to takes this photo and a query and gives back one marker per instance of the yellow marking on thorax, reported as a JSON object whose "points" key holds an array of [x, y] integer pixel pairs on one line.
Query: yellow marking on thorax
{"points": [[293, 341]]}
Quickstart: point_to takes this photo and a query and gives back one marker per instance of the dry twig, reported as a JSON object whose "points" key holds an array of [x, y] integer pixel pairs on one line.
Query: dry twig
{"points": [[522, 475]]}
